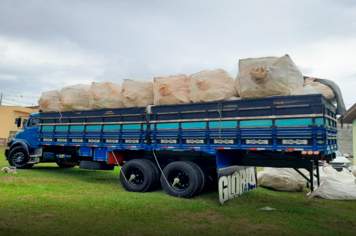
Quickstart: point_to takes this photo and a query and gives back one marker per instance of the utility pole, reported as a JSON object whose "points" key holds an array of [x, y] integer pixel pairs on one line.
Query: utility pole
{"points": [[0, 98]]}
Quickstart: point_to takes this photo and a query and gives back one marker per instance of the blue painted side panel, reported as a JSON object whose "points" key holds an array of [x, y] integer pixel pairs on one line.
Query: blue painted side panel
{"points": [[168, 126], [85, 151], [77, 128], [112, 127], [194, 125], [100, 154], [131, 127], [294, 122], [224, 124], [61, 128], [93, 127], [255, 123], [47, 128], [319, 121]]}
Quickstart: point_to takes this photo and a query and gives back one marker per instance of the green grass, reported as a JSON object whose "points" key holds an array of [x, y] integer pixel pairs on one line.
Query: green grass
{"points": [[46, 200]]}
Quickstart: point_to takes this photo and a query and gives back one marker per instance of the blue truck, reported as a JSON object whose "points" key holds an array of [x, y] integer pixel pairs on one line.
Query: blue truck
{"points": [[185, 148]]}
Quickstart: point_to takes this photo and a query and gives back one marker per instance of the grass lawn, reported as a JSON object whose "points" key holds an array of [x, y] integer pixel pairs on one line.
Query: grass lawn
{"points": [[47, 200]]}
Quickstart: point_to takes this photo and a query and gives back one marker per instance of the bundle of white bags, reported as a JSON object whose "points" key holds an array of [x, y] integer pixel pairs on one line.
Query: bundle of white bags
{"points": [[257, 78], [49, 101], [337, 185], [137, 93], [282, 179], [267, 76]]}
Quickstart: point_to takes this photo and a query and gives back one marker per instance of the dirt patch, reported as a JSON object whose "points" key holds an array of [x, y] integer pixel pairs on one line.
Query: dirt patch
{"points": [[342, 225], [200, 220], [43, 216]]}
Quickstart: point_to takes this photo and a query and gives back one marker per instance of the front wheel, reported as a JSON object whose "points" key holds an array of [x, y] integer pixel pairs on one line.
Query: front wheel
{"points": [[18, 157]]}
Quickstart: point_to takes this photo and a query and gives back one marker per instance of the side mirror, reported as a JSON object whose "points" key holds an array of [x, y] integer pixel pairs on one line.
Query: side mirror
{"points": [[18, 122]]}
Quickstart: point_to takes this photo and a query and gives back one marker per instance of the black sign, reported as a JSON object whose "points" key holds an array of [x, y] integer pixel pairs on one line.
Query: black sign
{"points": [[194, 141], [111, 140], [77, 140], [257, 141], [131, 141], [61, 140], [93, 140], [167, 141], [223, 141], [295, 141]]}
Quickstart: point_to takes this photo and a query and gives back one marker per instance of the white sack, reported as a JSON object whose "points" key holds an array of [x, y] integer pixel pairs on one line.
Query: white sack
{"points": [[323, 89], [212, 85], [75, 98], [308, 89], [338, 185], [354, 170], [49, 101], [105, 95], [282, 179], [267, 76], [172, 89], [137, 93]]}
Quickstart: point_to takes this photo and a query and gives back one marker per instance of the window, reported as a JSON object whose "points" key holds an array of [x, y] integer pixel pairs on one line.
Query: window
{"points": [[33, 122]]}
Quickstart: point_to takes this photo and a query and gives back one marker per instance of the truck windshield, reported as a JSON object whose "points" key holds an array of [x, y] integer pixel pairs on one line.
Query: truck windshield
{"points": [[33, 122]]}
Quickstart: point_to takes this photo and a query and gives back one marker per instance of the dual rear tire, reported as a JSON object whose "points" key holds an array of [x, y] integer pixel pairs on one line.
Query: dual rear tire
{"points": [[179, 179]]}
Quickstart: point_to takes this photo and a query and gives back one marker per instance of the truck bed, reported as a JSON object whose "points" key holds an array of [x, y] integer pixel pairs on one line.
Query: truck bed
{"points": [[280, 123]]}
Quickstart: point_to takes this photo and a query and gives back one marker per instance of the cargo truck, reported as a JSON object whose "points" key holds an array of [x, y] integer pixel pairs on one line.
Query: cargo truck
{"points": [[185, 148]]}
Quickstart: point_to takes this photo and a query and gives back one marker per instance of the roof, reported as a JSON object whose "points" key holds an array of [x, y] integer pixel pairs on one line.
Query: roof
{"points": [[350, 115]]}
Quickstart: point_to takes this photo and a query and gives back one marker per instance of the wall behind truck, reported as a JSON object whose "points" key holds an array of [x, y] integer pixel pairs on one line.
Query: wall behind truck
{"points": [[7, 119], [345, 139]]}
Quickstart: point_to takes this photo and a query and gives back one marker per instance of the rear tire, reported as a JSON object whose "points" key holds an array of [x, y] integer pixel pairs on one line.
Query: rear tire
{"points": [[201, 175], [188, 176], [18, 157], [146, 176]]}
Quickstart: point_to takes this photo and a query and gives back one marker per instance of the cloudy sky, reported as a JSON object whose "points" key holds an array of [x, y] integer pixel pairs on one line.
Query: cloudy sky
{"points": [[49, 44]]}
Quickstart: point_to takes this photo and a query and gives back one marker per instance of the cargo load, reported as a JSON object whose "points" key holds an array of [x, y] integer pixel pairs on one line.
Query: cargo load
{"points": [[267, 76], [308, 89], [105, 95], [282, 179], [169, 90], [49, 101], [75, 97], [323, 89], [212, 85], [137, 93]]}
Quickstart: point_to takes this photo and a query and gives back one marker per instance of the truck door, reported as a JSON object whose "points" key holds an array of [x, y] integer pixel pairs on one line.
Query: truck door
{"points": [[31, 132]]}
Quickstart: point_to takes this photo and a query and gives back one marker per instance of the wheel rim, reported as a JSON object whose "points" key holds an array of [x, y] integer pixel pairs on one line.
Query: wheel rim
{"points": [[19, 158], [179, 180], [138, 177]]}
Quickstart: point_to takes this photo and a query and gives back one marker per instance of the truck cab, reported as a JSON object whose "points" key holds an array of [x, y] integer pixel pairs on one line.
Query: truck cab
{"points": [[23, 150]]}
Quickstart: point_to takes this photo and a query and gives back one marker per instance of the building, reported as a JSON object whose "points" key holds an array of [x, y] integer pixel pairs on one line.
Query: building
{"points": [[349, 122], [7, 120]]}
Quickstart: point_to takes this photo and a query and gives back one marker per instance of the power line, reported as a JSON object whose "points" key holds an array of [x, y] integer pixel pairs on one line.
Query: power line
{"points": [[11, 104], [18, 101], [19, 96]]}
